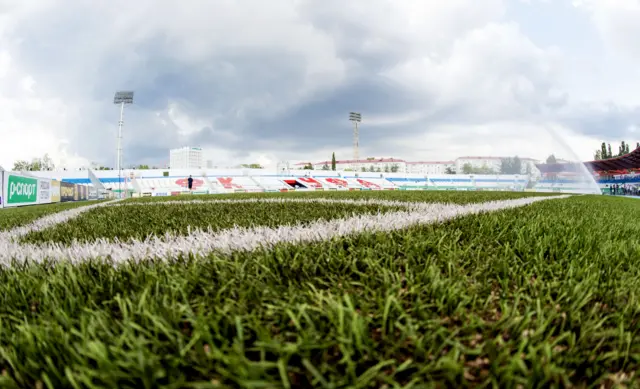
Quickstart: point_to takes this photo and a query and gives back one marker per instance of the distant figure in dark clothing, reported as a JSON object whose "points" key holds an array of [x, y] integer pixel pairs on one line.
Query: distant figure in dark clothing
{"points": [[190, 183]]}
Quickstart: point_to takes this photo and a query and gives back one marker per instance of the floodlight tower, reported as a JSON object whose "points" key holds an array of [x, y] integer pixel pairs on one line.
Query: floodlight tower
{"points": [[356, 118], [122, 98]]}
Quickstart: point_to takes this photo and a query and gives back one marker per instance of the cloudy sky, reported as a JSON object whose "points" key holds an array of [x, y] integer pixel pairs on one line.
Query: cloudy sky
{"points": [[270, 80]]}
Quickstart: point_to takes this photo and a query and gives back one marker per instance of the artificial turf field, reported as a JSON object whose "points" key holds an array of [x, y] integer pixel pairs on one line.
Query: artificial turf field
{"points": [[359, 289]]}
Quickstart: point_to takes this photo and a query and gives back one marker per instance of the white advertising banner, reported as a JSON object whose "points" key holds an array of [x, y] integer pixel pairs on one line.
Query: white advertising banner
{"points": [[19, 190], [44, 191], [1, 188]]}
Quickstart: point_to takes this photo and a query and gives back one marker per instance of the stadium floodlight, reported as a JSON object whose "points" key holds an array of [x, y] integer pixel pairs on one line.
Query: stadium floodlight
{"points": [[122, 98], [356, 118]]}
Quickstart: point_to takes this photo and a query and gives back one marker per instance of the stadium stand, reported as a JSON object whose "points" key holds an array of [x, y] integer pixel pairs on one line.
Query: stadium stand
{"points": [[165, 184], [375, 183], [305, 182], [338, 183], [271, 183], [238, 184], [168, 182]]}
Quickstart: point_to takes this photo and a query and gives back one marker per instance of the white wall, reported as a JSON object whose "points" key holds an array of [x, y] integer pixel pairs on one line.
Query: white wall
{"points": [[429, 167], [59, 175]]}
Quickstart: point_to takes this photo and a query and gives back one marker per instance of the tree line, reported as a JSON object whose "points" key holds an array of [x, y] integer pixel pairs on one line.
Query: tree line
{"points": [[604, 152], [35, 165], [393, 168], [45, 163], [508, 165]]}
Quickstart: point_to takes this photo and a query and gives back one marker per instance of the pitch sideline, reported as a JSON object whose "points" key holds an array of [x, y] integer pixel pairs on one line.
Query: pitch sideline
{"points": [[201, 242]]}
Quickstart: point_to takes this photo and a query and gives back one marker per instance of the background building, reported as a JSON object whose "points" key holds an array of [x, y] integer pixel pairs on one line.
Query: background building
{"points": [[462, 165], [528, 165], [383, 165], [186, 158], [433, 167]]}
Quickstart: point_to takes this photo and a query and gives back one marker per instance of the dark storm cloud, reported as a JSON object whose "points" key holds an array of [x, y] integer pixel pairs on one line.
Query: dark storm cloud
{"points": [[246, 98], [321, 123], [607, 122], [352, 38], [145, 154]]}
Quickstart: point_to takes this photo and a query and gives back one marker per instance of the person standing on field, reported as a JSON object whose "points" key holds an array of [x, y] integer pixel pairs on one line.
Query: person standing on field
{"points": [[190, 183]]}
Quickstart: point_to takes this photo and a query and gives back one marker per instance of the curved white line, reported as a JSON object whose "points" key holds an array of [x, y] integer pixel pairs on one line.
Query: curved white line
{"points": [[201, 243]]}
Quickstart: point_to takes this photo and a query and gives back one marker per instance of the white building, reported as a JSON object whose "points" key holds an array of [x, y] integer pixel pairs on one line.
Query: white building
{"points": [[433, 167], [387, 165], [495, 163], [370, 164], [186, 158]]}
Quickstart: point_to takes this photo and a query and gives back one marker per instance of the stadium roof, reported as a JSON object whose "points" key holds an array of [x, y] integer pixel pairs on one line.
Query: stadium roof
{"points": [[623, 162]]}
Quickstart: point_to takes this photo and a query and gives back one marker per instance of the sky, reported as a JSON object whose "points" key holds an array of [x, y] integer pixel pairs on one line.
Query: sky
{"points": [[255, 81]]}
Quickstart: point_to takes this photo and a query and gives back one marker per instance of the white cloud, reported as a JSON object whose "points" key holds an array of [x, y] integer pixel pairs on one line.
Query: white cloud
{"points": [[617, 21], [505, 138], [31, 123], [461, 75], [494, 70]]}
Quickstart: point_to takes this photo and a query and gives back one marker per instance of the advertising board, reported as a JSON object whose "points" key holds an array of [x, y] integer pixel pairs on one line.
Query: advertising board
{"points": [[160, 194], [44, 191], [55, 191], [19, 190], [67, 192], [83, 193]]}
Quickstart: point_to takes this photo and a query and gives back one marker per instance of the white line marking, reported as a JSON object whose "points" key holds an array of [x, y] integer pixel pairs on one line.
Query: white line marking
{"points": [[50, 221], [200, 243], [281, 200]]}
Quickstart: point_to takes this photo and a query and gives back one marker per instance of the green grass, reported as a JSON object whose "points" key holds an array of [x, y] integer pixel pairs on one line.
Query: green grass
{"points": [[16, 217], [455, 197], [140, 222], [541, 296]]}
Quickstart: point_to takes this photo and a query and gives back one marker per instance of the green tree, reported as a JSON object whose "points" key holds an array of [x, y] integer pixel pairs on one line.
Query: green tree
{"points": [[378, 170], [637, 145], [468, 168], [325, 167], [394, 168], [372, 169], [251, 166], [449, 170], [609, 153], [387, 169], [484, 170], [36, 164], [598, 155], [363, 169], [21, 165], [333, 161], [552, 159], [511, 165], [621, 149], [603, 151], [307, 166]]}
